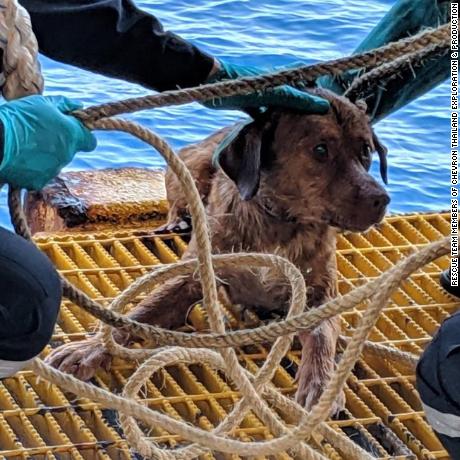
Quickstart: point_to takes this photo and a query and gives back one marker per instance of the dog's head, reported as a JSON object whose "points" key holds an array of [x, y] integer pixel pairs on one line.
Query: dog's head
{"points": [[315, 167]]}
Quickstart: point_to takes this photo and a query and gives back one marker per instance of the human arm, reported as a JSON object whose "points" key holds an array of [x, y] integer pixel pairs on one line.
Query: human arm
{"points": [[117, 39], [405, 18]]}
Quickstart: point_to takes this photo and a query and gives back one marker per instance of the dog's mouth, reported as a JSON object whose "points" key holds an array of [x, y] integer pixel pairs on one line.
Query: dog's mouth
{"points": [[354, 224]]}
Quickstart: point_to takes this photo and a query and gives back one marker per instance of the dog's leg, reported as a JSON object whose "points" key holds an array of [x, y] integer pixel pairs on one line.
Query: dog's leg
{"points": [[166, 307], [318, 363], [179, 221]]}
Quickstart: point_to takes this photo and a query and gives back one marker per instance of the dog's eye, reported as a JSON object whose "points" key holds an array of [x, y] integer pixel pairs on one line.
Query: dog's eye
{"points": [[366, 156], [320, 152]]}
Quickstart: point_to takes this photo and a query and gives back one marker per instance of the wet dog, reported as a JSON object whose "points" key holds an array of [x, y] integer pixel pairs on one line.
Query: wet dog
{"points": [[284, 183]]}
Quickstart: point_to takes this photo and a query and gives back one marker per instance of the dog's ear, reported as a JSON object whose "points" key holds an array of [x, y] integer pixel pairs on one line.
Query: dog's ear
{"points": [[239, 155], [382, 152], [378, 146]]}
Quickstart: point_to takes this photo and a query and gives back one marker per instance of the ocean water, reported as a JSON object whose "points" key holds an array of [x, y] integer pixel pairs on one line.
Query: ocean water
{"points": [[269, 33]]}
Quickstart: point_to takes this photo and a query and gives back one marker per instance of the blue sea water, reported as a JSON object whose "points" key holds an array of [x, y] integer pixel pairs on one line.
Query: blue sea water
{"points": [[269, 33]]}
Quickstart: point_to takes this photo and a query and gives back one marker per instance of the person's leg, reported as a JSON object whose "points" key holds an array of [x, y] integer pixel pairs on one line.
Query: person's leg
{"points": [[30, 296], [438, 382], [405, 18]]}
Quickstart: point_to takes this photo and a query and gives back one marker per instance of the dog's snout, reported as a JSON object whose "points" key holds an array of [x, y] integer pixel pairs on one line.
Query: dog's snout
{"points": [[370, 204], [372, 195]]}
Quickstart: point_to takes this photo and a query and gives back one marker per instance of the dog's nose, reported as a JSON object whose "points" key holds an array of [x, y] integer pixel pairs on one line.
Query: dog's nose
{"points": [[379, 201]]}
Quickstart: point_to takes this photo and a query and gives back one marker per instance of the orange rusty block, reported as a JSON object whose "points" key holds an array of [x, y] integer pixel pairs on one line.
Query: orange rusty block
{"points": [[99, 200]]}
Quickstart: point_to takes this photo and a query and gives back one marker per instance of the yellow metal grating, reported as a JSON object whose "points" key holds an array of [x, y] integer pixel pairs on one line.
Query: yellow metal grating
{"points": [[383, 413]]}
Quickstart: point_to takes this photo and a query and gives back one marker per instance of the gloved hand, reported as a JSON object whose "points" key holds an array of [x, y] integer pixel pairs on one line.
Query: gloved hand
{"points": [[282, 96], [40, 139]]}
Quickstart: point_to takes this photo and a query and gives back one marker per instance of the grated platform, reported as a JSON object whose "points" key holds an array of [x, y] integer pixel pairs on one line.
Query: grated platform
{"points": [[383, 413]]}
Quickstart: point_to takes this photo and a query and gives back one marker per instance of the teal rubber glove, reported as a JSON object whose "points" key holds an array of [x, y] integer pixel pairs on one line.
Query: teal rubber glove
{"points": [[405, 18], [40, 139], [283, 96]]}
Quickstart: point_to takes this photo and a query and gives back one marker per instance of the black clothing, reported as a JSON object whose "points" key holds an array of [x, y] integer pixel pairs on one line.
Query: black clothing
{"points": [[438, 382], [30, 296], [446, 283], [117, 39]]}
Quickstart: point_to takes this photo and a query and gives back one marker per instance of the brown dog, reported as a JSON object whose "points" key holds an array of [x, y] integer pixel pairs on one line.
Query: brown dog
{"points": [[284, 184]]}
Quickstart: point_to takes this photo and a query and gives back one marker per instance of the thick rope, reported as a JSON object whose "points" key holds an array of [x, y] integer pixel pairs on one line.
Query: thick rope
{"points": [[297, 76], [257, 392], [21, 69], [210, 297], [393, 355], [211, 440], [391, 280]]}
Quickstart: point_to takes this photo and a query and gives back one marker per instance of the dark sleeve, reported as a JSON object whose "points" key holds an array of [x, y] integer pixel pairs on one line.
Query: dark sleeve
{"points": [[115, 38]]}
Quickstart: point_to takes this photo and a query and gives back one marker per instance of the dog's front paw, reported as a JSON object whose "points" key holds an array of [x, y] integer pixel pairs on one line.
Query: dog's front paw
{"points": [[81, 359], [308, 394], [178, 225]]}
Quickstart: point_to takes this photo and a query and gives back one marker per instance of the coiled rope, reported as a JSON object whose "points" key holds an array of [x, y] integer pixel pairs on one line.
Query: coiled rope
{"points": [[21, 70], [258, 394]]}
